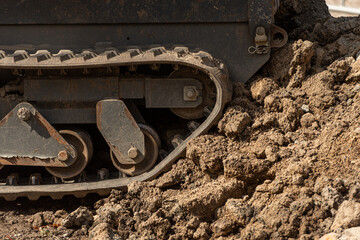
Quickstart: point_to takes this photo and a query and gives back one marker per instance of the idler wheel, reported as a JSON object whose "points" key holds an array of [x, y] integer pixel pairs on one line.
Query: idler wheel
{"points": [[208, 94], [81, 141], [152, 145]]}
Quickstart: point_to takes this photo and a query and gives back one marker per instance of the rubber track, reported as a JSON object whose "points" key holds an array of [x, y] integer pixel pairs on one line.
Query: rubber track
{"points": [[66, 59]]}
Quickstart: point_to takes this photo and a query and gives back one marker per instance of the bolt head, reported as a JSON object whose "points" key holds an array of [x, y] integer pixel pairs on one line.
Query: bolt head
{"points": [[190, 93], [24, 114], [133, 152], [260, 30], [63, 155]]}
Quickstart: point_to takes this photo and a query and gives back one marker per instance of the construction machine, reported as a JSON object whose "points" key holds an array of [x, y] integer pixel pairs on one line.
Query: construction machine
{"points": [[97, 94]]}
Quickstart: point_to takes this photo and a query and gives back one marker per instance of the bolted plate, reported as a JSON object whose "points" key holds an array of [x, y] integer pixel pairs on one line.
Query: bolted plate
{"points": [[120, 131], [27, 138]]}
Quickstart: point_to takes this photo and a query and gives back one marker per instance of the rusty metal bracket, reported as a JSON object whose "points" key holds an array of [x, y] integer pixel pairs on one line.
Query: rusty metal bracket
{"points": [[27, 138], [120, 131]]}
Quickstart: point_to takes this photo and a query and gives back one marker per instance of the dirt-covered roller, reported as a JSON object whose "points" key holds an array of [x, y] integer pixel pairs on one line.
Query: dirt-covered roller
{"points": [[97, 94]]}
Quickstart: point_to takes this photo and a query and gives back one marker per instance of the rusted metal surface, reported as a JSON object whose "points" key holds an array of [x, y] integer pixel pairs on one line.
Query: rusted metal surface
{"points": [[27, 139], [120, 131]]}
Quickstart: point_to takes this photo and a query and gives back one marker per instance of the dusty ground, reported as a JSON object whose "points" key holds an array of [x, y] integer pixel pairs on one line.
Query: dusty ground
{"points": [[283, 163]]}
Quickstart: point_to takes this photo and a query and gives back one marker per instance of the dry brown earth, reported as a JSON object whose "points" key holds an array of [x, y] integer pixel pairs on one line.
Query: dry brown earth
{"points": [[283, 163]]}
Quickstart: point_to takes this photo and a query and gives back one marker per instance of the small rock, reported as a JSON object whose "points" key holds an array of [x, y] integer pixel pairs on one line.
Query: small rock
{"points": [[234, 122], [261, 87], [347, 216], [305, 108]]}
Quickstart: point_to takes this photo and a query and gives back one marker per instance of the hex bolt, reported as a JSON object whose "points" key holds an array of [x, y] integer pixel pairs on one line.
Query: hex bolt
{"points": [[190, 93], [133, 152], [260, 30], [24, 114], [63, 155]]}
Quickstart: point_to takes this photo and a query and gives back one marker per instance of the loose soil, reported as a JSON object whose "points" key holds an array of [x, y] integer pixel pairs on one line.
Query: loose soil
{"points": [[283, 162]]}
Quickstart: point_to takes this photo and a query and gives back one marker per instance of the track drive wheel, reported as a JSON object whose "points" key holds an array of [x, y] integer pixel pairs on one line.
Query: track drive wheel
{"points": [[81, 141], [152, 145]]}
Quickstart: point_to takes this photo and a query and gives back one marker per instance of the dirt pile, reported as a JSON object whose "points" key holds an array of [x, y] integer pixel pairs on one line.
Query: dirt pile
{"points": [[283, 163]]}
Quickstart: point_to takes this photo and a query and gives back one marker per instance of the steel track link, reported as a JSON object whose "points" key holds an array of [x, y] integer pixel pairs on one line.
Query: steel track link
{"points": [[66, 59]]}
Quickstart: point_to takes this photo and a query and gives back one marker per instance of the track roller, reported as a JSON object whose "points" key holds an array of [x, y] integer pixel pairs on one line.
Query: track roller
{"points": [[81, 141], [152, 145]]}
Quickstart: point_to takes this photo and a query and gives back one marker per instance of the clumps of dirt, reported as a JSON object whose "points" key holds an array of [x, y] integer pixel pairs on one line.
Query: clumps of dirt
{"points": [[283, 162]]}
